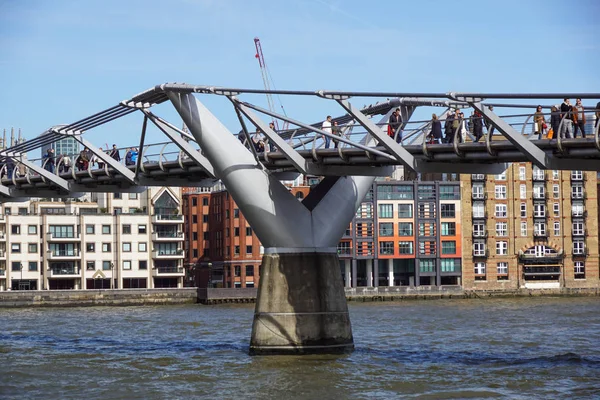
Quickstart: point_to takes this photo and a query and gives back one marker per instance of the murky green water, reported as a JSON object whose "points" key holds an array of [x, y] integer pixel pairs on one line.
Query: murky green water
{"points": [[517, 349]]}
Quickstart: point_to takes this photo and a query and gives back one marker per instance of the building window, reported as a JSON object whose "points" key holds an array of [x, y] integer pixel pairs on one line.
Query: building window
{"points": [[117, 195], [538, 174], [205, 201], [90, 265], [449, 192], [142, 247], [90, 247], [106, 229], [448, 210], [105, 247], [426, 229], [539, 210], [249, 249], [501, 210], [249, 270], [577, 210], [539, 192], [556, 228], [501, 229], [386, 248], [126, 229], [126, 264], [386, 211], [523, 192], [555, 174], [448, 228], [32, 248], [405, 210], [427, 247], [578, 228], [106, 265], [501, 248], [236, 231], [236, 250], [143, 264], [478, 192], [579, 269], [478, 210], [479, 268], [450, 264], [142, 229], [539, 229], [15, 229], [195, 219], [501, 177], [15, 248], [126, 247], [577, 175], [577, 192], [33, 265], [237, 270], [502, 268], [556, 209], [522, 173], [578, 247], [427, 265], [478, 230], [523, 210], [556, 191], [449, 247], [133, 196], [386, 229], [32, 229], [405, 248], [500, 192], [405, 229], [248, 231], [195, 253], [89, 229], [523, 228], [194, 201], [205, 235], [236, 213], [479, 248], [15, 266]]}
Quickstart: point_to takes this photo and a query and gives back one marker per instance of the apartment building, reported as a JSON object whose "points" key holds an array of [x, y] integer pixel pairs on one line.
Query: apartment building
{"points": [[220, 244], [108, 240], [530, 228]]}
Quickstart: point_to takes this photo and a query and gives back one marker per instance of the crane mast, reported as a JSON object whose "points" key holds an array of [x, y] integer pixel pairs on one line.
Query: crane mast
{"points": [[267, 81]]}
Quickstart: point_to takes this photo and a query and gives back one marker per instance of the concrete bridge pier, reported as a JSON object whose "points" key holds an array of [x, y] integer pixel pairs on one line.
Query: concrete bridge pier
{"points": [[301, 306]]}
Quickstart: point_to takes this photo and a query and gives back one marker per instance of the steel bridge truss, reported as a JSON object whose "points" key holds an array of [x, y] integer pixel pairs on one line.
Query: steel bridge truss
{"points": [[364, 147]]}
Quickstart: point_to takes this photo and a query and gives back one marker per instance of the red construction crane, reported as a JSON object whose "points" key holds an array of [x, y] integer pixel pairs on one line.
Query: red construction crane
{"points": [[268, 82]]}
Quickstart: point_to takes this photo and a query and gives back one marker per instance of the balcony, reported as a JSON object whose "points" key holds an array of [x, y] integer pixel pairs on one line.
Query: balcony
{"points": [[344, 252], [580, 232], [2, 236], [581, 252], [539, 195], [168, 271], [478, 177], [72, 272], [578, 196], [539, 176], [479, 196], [579, 213], [167, 219], [167, 254], [167, 236], [3, 254], [540, 234], [2, 217], [481, 235], [64, 255], [479, 215], [2, 272], [62, 237]]}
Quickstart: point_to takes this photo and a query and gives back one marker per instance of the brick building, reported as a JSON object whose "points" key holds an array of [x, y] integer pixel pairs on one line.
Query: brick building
{"points": [[530, 228]]}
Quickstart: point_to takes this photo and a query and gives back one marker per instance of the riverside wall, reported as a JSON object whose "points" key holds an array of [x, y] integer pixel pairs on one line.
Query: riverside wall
{"points": [[136, 297]]}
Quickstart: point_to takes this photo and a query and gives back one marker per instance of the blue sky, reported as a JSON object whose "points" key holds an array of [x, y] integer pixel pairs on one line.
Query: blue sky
{"points": [[62, 60]]}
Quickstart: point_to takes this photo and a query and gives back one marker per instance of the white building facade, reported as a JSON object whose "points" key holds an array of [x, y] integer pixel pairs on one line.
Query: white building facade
{"points": [[116, 240]]}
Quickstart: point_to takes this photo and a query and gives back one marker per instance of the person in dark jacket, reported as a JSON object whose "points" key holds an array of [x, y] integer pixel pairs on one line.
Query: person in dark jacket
{"points": [[448, 130], [50, 161], [554, 121], [396, 125], [114, 153], [566, 114], [128, 157], [436, 130], [477, 121]]}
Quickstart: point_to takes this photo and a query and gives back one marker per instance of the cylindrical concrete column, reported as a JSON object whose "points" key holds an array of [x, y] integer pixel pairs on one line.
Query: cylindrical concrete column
{"points": [[301, 306], [390, 264], [354, 273], [369, 273], [376, 272], [348, 273]]}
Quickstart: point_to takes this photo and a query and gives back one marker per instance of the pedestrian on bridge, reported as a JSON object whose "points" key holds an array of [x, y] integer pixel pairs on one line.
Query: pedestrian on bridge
{"points": [[448, 132], [579, 118], [396, 125], [539, 122], [326, 127], [83, 161], [337, 131], [114, 153], [477, 121], [436, 130], [566, 115], [50, 161], [128, 161]]}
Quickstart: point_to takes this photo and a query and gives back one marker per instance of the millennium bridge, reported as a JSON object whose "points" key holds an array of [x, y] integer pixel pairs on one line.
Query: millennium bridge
{"points": [[301, 307]]}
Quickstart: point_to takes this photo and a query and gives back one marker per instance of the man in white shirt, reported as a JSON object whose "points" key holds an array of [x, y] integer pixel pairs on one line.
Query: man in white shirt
{"points": [[327, 128]]}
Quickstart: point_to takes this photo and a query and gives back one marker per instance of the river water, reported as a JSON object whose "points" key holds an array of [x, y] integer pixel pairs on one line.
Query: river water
{"points": [[481, 348]]}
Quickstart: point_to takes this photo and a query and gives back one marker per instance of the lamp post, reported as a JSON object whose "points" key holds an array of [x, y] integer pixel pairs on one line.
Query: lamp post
{"points": [[112, 275]]}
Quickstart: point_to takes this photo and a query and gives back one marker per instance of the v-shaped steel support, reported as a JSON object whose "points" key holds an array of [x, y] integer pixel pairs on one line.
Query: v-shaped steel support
{"points": [[280, 221]]}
